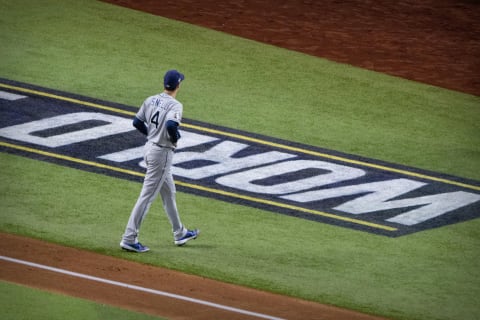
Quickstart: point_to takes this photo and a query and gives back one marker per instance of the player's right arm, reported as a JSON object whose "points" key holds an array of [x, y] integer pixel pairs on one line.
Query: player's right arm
{"points": [[140, 126], [140, 118], [173, 120]]}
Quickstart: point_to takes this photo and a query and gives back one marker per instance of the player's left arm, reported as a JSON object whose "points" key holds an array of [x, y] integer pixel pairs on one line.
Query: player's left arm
{"points": [[172, 129], [173, 123]]}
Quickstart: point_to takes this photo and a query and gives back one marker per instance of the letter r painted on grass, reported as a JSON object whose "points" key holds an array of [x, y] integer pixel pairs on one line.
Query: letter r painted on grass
{"points": [[221, 159]]}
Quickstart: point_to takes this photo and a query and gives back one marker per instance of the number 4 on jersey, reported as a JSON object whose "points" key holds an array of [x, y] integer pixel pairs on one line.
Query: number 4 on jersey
{"points": [[154, 119]]}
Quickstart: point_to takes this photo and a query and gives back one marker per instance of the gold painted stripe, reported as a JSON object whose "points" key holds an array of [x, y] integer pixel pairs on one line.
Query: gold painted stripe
{"points": [[71, 159], [62, 98], [287, 206], [201, 188]]}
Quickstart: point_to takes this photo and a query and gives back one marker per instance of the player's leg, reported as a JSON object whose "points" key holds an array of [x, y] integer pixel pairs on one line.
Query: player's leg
{"points": [[155, 160], [168, 192]]}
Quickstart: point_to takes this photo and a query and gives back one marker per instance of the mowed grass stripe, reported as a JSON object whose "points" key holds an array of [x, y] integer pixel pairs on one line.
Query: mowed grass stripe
{"points": [[255, 140], [198, 187]]}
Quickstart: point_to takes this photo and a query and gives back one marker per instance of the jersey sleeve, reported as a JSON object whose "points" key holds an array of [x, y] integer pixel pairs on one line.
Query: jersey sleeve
{"points": [[141, 114], [175, 114]]}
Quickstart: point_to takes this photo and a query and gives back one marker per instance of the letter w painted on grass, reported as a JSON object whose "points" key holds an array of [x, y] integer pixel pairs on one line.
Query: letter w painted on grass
{"points": [[378, 198]]}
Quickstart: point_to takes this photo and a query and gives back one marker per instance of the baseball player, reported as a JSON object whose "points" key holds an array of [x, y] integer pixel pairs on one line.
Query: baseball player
{"points": [[159, 118]]}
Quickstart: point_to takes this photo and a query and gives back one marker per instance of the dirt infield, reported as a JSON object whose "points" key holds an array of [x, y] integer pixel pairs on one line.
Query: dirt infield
{"points": [[421, 40], [132, 273], [430, 41]]}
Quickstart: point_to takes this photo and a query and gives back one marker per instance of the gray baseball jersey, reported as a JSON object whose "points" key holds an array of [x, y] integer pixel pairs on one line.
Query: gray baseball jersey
{"points": [[155, 112]]}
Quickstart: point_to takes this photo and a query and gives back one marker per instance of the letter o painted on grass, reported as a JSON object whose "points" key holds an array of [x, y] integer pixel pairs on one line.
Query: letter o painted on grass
{"points": [[245, 180]]}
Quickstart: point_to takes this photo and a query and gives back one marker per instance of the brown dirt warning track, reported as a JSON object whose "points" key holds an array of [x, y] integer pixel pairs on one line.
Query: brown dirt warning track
{"points": [[435, 42], [215, 299]]}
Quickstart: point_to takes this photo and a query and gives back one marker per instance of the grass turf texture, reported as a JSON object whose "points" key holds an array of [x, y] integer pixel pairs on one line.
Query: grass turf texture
{"points": [[108, 52], [414, 277], [120, 55], [50, 306]]}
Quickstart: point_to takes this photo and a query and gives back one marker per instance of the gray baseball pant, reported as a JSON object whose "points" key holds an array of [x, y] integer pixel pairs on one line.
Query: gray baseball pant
{"points": [[158, 179]]}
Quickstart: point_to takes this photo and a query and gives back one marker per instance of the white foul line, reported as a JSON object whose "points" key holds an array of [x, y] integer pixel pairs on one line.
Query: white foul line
{"points": [[138, 288]]}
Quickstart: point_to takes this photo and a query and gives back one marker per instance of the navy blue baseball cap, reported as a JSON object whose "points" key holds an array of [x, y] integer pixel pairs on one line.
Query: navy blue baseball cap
{"points": [[172, 79]]}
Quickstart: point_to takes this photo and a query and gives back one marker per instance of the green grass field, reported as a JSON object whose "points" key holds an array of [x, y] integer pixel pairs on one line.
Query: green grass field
{"points": [[49, 306], [120, 55]]}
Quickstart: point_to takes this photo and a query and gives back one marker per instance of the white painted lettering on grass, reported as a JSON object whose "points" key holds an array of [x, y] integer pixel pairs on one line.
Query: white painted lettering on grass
{"points": [[378, 197], [26, 132], [245, 180], [259, 172], [222, 160], [10, 96]]}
